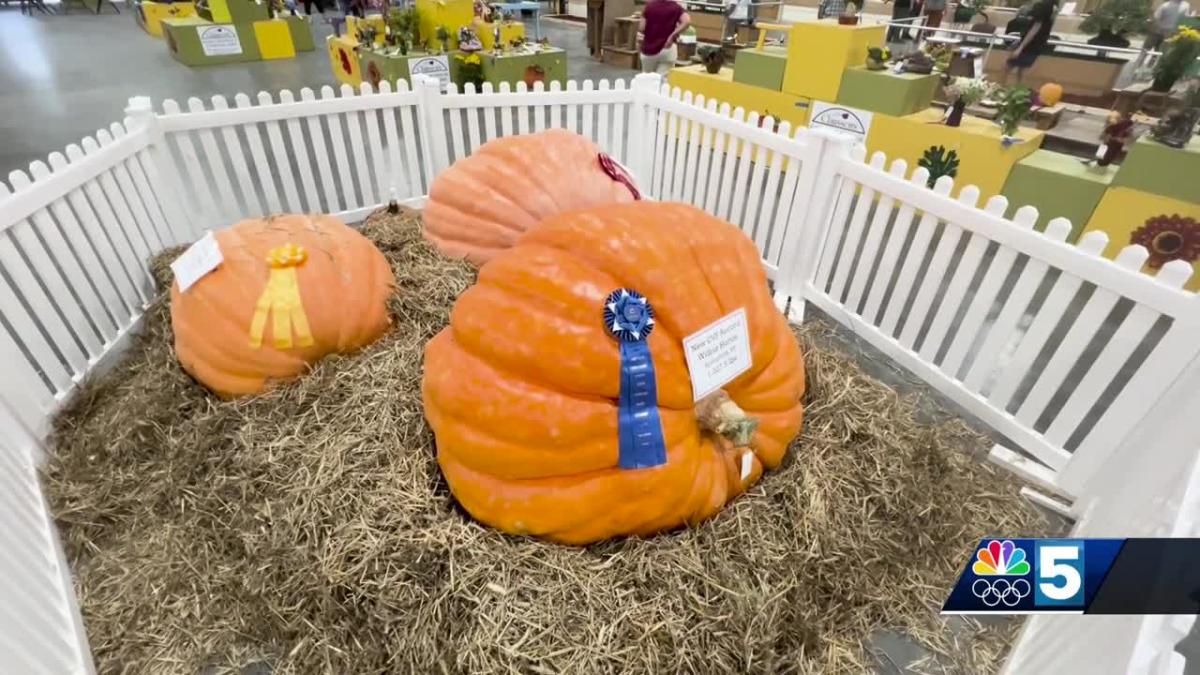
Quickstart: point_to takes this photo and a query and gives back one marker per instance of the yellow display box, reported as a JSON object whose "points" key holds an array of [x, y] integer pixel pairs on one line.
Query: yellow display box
{"points": [[151, 14], [354, 24], [452, 14], [983, 160], [344, 60], [509, 31], [722, 88], [1123, 210], [274, 39], [818, 52]]}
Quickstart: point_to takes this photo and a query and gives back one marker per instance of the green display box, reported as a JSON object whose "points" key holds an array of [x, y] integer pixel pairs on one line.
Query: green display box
{"points": [[761, 69], [377, 66], [1160, 169], [1059, 186], [514, 68], [884, 92], [301, 30], [196, 42]]}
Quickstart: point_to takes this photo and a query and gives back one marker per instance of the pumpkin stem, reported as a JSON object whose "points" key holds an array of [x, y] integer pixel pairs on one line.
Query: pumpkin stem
{"points": [[718, 414]]}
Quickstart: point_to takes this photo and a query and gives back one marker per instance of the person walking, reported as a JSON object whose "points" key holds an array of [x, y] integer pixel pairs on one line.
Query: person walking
{"points": [[1033, 39], [662, 22], [1166, 22]]}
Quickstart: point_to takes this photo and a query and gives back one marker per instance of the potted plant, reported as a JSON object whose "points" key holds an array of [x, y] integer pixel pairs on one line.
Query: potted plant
{"points": [[964, 91], [918, 62], [849, 16], [966, 10], [443, 37], [877, 58], [712, 57], [1014, 105], [938, 162], [1178, 124], [1179, 52], [1115, 20]]}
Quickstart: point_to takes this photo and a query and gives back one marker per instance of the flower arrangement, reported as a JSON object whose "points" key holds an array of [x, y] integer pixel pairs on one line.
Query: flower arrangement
{"points": [[1179, 52], [470, 69], [1115, 20], [712, 57], [969, 90]]}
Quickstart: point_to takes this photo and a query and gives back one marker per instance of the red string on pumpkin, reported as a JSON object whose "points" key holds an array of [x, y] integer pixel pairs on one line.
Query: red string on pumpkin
{"points": [[616, 172]]}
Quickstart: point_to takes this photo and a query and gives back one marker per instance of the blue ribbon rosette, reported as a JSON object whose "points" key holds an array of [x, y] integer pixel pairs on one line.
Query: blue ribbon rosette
{"points": [[630, 319]]}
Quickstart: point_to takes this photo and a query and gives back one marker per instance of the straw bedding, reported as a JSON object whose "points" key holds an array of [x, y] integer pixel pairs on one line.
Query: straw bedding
{"points": [[308, 530]]}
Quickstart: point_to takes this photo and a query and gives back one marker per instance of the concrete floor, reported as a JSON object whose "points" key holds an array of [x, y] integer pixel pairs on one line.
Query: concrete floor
{"points": [[64, 77]]}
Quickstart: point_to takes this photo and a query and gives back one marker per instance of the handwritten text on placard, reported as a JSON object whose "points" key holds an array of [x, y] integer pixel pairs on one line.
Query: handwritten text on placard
{"points": [[718, 353]]}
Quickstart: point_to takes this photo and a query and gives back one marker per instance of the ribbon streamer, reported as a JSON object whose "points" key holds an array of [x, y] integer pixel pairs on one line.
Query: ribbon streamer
{"points": [[618, 173], [630, 319], [281, 299]]}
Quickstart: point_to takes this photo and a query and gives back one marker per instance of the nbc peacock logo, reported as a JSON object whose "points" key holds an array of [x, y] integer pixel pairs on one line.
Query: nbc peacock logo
{"points": [[995, 564], [1000, 558]]}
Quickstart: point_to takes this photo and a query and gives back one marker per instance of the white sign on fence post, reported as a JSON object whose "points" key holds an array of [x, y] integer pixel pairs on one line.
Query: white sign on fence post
{"points": [[840, 119], [437, 67], [219, 40]]}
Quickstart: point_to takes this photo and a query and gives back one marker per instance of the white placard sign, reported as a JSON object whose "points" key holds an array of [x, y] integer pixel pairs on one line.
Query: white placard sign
{"points": [[841, 119], [437, 67], [747, 464], [718, 353], [219, 40], [201, 258]]}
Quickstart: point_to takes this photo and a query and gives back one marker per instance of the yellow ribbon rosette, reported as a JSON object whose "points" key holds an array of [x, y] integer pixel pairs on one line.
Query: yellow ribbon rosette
{"points": [[281, 299]]}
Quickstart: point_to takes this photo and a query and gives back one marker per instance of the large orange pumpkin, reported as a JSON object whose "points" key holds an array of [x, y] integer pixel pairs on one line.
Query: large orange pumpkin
{"points": [[521, 388], [240, 326], [1050, 93], [480, 205]]}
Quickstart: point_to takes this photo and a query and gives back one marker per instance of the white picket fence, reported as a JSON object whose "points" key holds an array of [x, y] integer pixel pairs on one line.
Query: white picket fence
{"points": [[1073, 358]]}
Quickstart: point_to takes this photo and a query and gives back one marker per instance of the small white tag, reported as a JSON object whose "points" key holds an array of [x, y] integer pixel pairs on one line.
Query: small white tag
{"points": [[747, 464], [718, 353], [201, 258]]}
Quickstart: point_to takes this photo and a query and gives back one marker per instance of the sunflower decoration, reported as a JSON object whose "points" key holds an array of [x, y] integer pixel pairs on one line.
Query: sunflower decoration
{"points": [[1168, 238]]}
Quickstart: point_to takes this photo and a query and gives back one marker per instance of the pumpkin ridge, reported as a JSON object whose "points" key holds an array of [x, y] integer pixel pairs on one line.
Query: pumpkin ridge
{"points": [[498, 175]]}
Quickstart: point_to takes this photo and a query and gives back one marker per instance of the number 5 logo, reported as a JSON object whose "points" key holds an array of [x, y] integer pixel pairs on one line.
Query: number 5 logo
{"points": [[1059, 566]]}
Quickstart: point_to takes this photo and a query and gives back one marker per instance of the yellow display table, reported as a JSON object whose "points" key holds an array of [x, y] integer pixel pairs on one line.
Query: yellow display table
{"points": [[150, 15], [509, 31], [818, 52], [452, 14], [1123, 210], [722, 88], [983, 159]]}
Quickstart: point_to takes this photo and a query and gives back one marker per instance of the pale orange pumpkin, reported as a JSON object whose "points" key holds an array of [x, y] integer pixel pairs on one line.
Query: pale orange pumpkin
{"points": [[235, 330], [522, 388], [1050, 93], [482, 203]]}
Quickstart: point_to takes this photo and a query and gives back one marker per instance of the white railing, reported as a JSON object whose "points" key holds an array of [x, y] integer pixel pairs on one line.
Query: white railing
{"points": [[1068, 355]]}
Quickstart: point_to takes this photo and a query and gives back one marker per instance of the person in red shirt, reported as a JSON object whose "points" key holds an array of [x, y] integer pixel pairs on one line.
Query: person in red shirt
{"points": [[662, 22]]}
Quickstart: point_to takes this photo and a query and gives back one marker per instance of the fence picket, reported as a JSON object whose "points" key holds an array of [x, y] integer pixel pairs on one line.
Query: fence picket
{"points": [[215, 163], [240, 169], [1053, 309], [456, 134], [1083, 329], [522, 111], [891, 250], [619, 141], [677, 164], [942, 328], [414, 171], [199, 193], [142, 223], [320, 152], [854, 234], [77, 270], [1015, 306], [740, 152], [375, 150], [506, 113], [602, 121], [338, 140], [358, 150], [985, 297], [96, 214], [791, 211], [870, 248], [754, 196], [15, 266], [310, 197], [258, 158], [473, 127], [395, 178], [160, 223], [589, 119], [572, 111], [716, 169], [123, 221], [935, 274]]}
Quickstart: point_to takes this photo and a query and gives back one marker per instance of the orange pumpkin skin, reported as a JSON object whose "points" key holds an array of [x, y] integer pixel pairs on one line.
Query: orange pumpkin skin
{"points": [[344, 285], [521, 388], [1050, 93], [480, 205]]}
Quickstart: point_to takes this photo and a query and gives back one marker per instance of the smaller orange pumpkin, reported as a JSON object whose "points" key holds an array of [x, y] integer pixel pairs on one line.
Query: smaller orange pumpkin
{"points": [[290, 290], [1050, 93], [479, 206]]}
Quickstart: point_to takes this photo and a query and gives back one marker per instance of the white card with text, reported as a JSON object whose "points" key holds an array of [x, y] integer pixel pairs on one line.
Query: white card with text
{"points": [[201, 258], [718, 353]]}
